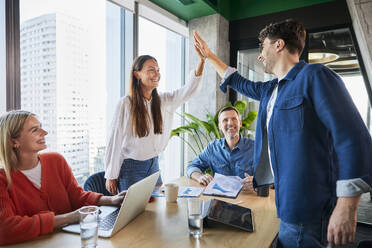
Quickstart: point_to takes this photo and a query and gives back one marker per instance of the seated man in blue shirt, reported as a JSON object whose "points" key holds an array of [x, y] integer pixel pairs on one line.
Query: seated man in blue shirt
{"points": [[230, 156]]}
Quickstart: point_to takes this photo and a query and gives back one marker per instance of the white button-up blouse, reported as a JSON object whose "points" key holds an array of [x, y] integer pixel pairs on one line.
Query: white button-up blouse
{"points": [[123, 144]]}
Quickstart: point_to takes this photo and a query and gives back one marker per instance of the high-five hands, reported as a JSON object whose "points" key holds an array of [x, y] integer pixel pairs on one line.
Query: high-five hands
{"points": [[201, 46]]}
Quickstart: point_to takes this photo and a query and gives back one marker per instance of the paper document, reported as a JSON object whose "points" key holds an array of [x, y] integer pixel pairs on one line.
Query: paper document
{"points": [[226, 186], [182, 191]]}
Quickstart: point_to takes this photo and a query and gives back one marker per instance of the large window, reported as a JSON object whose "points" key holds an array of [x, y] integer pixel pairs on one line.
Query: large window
{"points": [[168, 49], [75, 59], [73, 72]]}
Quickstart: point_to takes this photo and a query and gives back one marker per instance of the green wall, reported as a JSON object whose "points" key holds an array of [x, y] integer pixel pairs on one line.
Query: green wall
{"points": [[232, 9], [186, 12], [241, 9]]}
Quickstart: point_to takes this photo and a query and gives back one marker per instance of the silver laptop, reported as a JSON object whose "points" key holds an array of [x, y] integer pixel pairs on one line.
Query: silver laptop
{"points": [[113, 219]]}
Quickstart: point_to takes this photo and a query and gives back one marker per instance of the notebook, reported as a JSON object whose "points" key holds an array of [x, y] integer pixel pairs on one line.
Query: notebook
{"points": [[182, 191], [224, 186]]}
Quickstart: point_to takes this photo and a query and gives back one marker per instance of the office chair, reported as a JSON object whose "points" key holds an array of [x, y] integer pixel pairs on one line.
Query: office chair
{"points": [[96, 183], [365, 244]]}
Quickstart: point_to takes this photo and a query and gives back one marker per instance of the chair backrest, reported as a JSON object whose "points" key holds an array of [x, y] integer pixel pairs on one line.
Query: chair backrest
{"points": [[96, 183], [365, 244]]}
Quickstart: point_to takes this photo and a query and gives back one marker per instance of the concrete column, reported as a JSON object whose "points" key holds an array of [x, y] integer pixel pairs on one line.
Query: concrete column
{"points": [[361, 15], [214, 29]]}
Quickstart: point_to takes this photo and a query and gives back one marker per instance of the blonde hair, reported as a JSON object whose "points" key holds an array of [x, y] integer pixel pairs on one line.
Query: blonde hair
{"points": [[11, 125]]}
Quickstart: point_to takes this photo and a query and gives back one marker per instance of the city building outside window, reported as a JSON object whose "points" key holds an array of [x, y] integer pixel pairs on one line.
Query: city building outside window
{"points": [[73, 68]]}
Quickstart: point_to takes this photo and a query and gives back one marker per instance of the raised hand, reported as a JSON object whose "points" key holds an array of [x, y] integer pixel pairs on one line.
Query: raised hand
{"points": [[200, 55], [201, 45]]}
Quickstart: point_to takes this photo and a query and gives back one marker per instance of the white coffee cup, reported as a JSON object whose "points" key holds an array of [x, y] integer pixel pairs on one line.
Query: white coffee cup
{"points": [[171, 192]]}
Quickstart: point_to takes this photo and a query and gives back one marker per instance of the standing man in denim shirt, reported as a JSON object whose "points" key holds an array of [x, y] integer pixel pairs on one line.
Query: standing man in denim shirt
{"points": [[230, 156], [310, 140]]}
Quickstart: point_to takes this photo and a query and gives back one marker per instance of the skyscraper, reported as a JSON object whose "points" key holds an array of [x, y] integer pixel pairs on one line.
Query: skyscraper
{"points": [[54, 83]]}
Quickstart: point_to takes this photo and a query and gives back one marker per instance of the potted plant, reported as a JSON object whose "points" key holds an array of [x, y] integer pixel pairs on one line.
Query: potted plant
{"points": [[204, 131]]}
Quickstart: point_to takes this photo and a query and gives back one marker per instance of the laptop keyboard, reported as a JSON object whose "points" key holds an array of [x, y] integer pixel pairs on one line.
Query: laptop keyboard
{"points": [[108, 222]]}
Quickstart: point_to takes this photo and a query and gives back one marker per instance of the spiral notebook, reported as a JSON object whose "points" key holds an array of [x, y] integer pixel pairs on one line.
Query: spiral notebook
{"points": [[224, 186]]}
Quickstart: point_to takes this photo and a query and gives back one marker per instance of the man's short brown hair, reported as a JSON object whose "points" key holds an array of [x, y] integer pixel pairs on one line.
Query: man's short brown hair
{"points": [[292, 32], [228, 108]]}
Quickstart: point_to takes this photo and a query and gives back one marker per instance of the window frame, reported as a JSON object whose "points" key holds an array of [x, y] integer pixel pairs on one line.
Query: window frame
{"points": [[142, 8]]}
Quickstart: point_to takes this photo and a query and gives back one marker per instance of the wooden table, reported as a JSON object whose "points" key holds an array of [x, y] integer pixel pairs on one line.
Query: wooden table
{"points": [[165, 225]]}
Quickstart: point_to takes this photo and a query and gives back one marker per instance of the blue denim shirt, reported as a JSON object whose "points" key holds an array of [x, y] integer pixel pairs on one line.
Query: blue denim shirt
{"points": [[316, 137], [218, 156]]}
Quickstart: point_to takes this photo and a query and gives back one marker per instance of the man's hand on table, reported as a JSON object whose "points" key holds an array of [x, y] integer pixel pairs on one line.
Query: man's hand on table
{"points": [[247, 182], [202, 179]]}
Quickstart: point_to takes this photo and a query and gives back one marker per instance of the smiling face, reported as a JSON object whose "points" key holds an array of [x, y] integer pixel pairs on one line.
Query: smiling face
{"points": [[149, 74], [267, 55], [229, 123], [32, 137]]}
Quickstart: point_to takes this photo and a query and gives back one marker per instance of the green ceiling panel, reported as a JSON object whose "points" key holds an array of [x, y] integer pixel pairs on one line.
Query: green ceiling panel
{"points": [[231, 9], [241, 9], [198, 8]]}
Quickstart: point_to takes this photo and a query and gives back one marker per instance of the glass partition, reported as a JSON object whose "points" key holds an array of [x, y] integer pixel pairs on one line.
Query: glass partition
{"points": [[336, 50], [251, 68]]}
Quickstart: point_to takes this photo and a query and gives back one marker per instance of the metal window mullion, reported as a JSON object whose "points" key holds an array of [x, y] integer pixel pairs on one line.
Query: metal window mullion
{"points": [[135, 30], [183, 74], [13, 89], [122, 52]]}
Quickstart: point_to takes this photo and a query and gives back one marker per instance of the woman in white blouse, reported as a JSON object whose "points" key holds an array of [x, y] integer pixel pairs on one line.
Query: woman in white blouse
{"points": [[142, 124]]}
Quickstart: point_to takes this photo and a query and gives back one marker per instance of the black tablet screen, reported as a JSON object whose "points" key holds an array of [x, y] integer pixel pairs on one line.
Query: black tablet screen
{"points": [[231, 214]]}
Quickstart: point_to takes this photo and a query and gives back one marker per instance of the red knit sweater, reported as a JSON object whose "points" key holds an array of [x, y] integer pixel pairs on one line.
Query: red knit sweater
{"points": [[27, 212]]}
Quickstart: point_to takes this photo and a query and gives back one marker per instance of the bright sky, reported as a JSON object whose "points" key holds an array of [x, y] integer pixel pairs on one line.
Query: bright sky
{"points": [[84, 9], [357, 89]]}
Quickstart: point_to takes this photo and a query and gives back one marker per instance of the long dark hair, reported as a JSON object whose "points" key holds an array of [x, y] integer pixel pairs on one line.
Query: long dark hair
{"points": [[138, 112]]}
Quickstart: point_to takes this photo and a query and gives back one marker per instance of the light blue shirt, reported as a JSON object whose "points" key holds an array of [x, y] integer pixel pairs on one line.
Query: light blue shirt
{"points": [[220, 159]]}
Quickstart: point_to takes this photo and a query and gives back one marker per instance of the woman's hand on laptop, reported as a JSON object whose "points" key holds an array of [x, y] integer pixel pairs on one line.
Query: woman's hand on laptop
{"points": [[62, 220], [112, 200], [118, 199]]}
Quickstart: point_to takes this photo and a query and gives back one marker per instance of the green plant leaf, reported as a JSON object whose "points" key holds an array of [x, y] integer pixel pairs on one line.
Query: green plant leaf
{"points": [[240, 106], [184, 129], [201, 124], [214, 127], [246, 122]]}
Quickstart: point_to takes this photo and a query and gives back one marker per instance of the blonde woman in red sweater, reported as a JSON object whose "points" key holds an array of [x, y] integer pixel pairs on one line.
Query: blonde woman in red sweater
{"points": [[38, 192]]}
